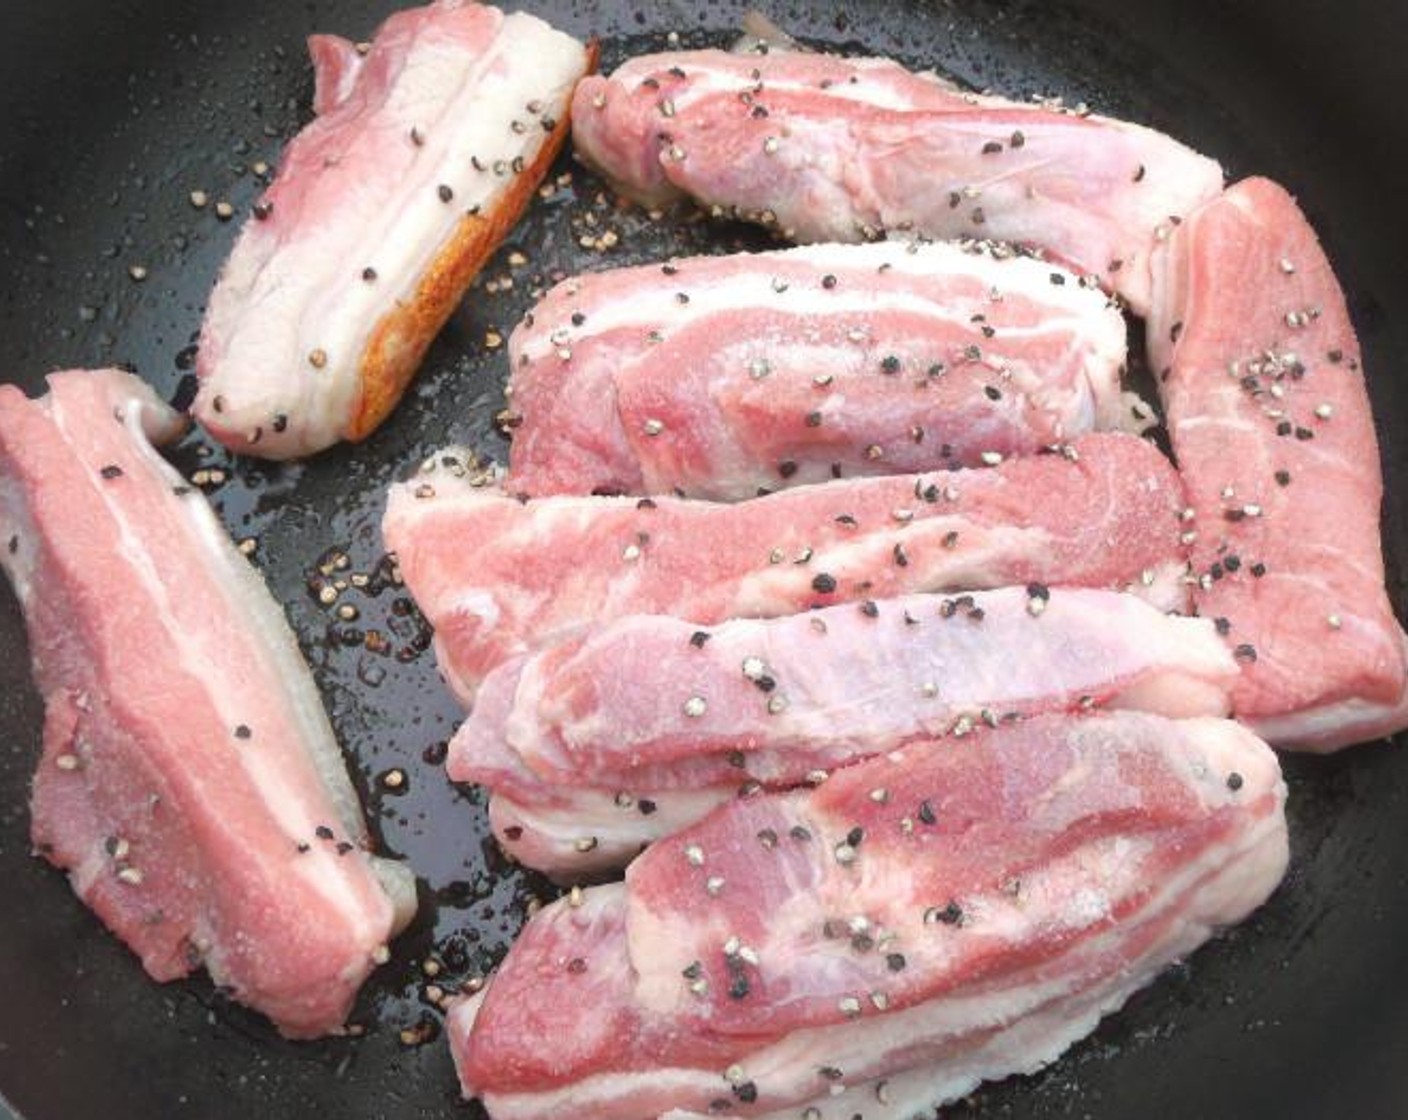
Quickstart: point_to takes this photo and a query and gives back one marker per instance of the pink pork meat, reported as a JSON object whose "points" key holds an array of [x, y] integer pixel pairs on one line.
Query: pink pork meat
{"points": [[723, 377], [919, 923], [1270, 422], [849, 149], [656, 712], [497, 577], [190, 783], [426, 148]]}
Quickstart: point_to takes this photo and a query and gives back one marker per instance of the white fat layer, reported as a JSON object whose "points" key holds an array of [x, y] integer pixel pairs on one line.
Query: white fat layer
{"points": [[1025, 1047], [988, 554], [858, 696], [1164, 586], [1085, 312], [95, 866], [285, 684], [1332, 726], [276, 303], [477, 603], [712, 72], [613, 831]]}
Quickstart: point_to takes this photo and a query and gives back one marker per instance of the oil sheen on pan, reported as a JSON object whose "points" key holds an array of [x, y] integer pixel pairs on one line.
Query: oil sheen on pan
{"points": [[192, 135]]}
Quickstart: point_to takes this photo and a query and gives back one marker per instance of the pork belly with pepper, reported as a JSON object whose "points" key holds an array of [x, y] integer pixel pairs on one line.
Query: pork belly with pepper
{"points": [[823, 148], [498, 577], [427, 146], [659, 713], [723, 377], [881, 944], [189, 784], [1269, 416]]}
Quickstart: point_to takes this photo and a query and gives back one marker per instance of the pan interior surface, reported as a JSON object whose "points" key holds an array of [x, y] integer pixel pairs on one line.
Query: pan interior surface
{"points": [[114, 114]]}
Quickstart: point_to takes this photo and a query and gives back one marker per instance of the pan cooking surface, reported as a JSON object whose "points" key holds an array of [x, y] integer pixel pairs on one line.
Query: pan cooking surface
{"points": [[114, 116]]}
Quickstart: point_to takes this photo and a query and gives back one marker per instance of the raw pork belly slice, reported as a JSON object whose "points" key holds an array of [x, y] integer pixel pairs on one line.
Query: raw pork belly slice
{"points": [[424, 153], [190, 783], [719, 377], [1270, 422], [960, 914], [497, 577], [657, 709], [849, 149]]}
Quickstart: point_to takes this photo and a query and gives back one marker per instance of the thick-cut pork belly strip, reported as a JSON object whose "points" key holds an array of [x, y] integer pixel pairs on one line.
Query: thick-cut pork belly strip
{"points": [[850, 149], [498, 577], [190, 784], [1269, 418], [657, 711], [652, 692], [424, 153], [959, 914], [719, 377]]}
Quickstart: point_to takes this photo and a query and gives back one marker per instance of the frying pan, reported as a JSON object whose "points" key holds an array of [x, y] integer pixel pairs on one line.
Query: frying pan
{"points": [[112, 113]]}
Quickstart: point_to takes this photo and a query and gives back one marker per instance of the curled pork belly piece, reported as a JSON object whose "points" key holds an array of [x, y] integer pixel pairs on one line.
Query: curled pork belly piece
{"points": [[498, 578], [917, 924], [724, 377], [823, 148], [599, 745], [1269, 418], [190, 783], [425, 152]]}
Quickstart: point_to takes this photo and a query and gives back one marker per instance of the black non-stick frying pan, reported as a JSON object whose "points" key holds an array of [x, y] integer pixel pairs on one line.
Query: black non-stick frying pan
{"points": [[113, 111]]}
